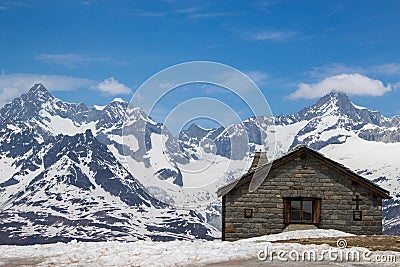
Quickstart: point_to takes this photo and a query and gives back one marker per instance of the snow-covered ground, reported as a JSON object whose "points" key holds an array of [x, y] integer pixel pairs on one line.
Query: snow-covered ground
{"points": [[175, 253]]}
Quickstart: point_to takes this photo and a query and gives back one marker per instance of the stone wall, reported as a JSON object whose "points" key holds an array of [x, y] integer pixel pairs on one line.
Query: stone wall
{"points": [[300, 177]]}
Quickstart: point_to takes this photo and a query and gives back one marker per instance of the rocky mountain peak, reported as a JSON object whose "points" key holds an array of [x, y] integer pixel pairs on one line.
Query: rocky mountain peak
{"points": [[27, 105], [39, 93], [332, 104], [195, 131], [338, 99], [38, 87], [38, 102]]}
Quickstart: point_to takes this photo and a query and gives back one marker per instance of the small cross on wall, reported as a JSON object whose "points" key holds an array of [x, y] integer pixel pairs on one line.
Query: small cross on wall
{"points": [[357, 200], [357, 214]]}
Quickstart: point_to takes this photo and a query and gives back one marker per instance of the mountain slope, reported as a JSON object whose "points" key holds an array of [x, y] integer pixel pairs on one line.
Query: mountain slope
{"points": [[62, 187], [80, 191]]}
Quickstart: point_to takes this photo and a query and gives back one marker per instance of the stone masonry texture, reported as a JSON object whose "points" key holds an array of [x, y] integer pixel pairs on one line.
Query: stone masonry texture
{"points": [[301, 177]]}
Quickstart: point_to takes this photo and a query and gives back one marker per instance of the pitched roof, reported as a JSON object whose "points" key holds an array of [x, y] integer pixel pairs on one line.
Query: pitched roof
{"points": [[246, 178]]}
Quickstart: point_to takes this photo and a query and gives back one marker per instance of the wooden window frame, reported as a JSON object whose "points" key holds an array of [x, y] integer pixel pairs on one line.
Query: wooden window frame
{"points": [[316, 210], [301, 211]]}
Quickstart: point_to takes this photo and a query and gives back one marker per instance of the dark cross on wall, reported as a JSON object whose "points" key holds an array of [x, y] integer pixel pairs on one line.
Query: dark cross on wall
{"points": [[357, 200]]}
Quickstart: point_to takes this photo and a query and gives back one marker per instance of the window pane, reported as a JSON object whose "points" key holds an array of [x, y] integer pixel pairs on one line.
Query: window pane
{"points": [[295, 212], [307, 210], [295, 216], [295, 204]]}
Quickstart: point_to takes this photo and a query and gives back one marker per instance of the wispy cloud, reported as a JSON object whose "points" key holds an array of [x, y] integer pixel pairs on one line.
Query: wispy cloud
{"points": [[72, 60], [333, 10], [189, 10], [210, 15], [259, 77], [211, 46], [10, 4], [320, 72], [151, 14], [277, 36], [265, 4], [234, 80], [167, 85], [390, 69], [198, 12], [352, 84], [17, 3], [111, 86]]}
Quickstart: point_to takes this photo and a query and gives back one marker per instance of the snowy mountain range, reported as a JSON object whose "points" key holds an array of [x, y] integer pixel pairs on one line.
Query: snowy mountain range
{"points": [[363, 140], [68, 171], [60, 181]]}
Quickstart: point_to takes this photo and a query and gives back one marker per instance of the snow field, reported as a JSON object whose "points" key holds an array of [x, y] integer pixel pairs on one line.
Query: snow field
{"points": [[174, 253]]}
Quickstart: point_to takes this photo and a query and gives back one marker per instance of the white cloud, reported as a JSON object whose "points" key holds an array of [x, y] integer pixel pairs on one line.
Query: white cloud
{"points": [[232, 79], [386, 69], [241, 84], [321, 72], [111, 86], [209, 15], [189, 10], [72, 60], [274, 35], [12, 85], [68, 60], [151, 14], [265, 3], [258, 77], [352, 84], [332, 69], [167, 85], [7, 94]]}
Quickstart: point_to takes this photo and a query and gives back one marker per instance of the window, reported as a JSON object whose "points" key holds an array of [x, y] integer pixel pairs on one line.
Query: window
{"points": [[357, 215], [302, 210], [248, 213]]}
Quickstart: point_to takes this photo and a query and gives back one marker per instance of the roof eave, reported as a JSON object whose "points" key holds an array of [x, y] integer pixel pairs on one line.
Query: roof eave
{"points": [[247, 177]]}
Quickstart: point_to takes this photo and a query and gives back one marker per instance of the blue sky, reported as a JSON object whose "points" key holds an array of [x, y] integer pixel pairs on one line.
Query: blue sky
{"points": [[94, 51]]}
